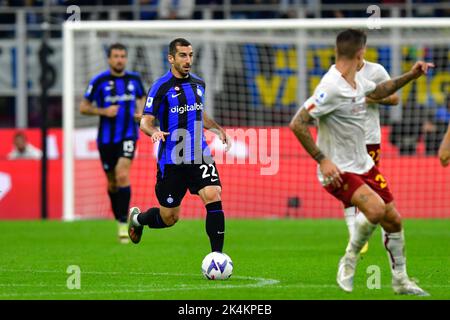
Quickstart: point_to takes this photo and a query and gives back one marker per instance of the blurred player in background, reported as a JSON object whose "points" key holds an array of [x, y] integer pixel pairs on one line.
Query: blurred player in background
{"points": [[444, 149], [119, 98], [345, 169], [377, 73], [22, 149], [184, 160]]}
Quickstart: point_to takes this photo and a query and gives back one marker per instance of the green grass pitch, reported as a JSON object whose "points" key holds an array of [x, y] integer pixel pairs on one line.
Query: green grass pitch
{"points": [[273, 259]]}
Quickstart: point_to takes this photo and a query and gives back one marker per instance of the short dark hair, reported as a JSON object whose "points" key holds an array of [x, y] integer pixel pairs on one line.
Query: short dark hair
{"points": [[177, 42], [20, 134], [116, 46], [349, 41]]}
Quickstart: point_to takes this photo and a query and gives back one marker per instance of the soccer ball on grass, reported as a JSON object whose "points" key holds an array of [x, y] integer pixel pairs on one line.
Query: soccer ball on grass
{"points": [[217, 266]]}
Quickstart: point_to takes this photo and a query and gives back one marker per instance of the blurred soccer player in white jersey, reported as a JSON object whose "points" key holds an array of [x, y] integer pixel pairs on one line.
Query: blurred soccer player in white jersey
{"points": [[345, 169], [376, 73]]}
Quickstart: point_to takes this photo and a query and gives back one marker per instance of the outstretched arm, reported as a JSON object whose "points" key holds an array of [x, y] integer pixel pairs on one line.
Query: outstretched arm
{"points": [[444, 149], [210, 124], [388, 87], [299, 125]]}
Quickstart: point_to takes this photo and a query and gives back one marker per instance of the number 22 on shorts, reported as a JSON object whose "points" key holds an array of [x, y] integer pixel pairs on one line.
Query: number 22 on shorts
{"points": [[205, 174]]}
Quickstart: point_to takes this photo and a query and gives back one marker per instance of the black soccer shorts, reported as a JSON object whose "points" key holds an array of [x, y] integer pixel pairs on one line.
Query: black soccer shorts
{"points": [[110, 153], [171, 187]]}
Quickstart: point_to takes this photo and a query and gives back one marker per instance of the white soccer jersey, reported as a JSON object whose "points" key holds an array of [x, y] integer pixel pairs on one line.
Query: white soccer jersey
{"points": [[30, 152], [341, 113], [377, 73]]}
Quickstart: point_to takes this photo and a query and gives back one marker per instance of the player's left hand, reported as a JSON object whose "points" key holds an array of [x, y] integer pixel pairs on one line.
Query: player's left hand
{"points": [[420, 68], [225, 140]]}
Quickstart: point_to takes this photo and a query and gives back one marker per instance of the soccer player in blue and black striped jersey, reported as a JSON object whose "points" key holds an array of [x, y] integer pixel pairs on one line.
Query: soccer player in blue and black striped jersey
{"points": [[177, 100], [119, 98]]}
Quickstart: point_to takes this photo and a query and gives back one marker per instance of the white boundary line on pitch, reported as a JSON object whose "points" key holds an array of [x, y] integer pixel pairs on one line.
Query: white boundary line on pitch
{"points": [[143, 288], [260, 282]]}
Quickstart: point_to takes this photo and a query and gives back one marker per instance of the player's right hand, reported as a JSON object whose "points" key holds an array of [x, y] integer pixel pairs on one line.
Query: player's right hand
{"points": [[111, 111], [159, 135], [331, 173]]}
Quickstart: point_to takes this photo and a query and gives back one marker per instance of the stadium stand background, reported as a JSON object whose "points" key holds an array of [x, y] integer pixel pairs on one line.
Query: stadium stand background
{"points": [[21, 24]]}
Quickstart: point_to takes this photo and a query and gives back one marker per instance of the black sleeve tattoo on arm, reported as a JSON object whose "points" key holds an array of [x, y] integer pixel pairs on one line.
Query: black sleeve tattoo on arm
{"points": [[299, 126], [388, 87]]}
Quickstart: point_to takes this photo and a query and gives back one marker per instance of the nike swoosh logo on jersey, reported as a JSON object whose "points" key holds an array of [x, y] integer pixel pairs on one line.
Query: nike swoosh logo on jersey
{"points": [[175, 95], [213, 180]]}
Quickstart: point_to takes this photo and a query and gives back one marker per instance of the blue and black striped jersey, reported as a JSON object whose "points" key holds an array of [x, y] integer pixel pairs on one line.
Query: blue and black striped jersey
{"points": [[178, 105], [106, 90]]}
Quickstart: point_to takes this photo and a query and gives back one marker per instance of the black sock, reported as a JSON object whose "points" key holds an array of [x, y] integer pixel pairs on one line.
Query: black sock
{"points": [[113, 196], [123, 203], [215, 225], [152, 219]]}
